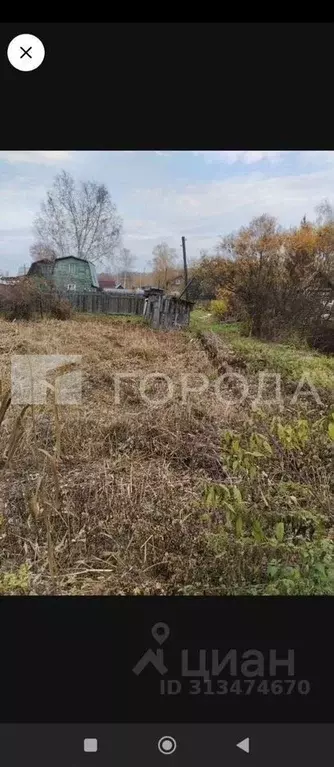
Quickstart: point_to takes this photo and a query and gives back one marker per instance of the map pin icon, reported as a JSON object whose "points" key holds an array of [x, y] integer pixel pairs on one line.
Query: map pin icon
{"points": [[160, 632]]}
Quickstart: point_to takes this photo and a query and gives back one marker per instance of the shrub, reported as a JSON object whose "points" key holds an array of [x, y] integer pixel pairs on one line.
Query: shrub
{"points": [[322, 337], [60, 308], [268, 527], [219, 309], [16, 582], [29, 297], [278, 281], [18, 301]]}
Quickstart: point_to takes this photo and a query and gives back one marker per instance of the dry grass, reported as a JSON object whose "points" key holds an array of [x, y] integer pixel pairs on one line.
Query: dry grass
{"points": [[100, 497]]}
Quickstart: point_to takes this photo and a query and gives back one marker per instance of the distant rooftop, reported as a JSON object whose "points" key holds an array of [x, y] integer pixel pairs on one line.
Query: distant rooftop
{"points": [[106, 282]]}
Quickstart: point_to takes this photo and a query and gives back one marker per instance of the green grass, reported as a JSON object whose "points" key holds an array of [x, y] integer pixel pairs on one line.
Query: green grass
{"points": [[288, 359], [270, 526]]}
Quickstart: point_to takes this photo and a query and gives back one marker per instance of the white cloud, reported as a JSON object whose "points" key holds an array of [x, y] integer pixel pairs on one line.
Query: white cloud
{"points": [[162, 154], [247, 157], [199, 210], [20, 200], [146, 230], [205, 210], [316, 157], [40, 157]]}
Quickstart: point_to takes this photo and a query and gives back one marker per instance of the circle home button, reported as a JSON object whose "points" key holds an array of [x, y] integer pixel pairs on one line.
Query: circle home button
{"points": [[167, 745]]}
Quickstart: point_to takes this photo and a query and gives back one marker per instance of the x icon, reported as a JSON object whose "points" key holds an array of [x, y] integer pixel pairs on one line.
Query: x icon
{"points": [[26, 53]]}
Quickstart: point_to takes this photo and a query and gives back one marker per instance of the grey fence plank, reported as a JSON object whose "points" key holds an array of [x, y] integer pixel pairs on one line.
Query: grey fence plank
{"points": [[161, 311]]}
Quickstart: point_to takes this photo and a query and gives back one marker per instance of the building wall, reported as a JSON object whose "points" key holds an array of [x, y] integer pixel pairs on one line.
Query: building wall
{"points": [[74, 273]]}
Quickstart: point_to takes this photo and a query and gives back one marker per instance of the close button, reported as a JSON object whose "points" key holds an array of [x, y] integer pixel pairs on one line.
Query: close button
{"points": [[26, 52]]}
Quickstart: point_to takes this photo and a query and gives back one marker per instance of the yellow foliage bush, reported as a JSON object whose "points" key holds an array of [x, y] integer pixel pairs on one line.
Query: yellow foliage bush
{"points": [[15, 583], [219, 308]]}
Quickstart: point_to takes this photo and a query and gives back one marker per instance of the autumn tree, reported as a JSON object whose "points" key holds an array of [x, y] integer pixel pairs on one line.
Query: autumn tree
{"points": [[244, 268], [210, 275], [78, 219], [277, 280]]}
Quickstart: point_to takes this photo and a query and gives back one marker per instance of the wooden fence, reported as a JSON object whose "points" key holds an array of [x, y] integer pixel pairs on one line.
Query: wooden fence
{"points": [[167, 311], [160, 310], [105, 303]]}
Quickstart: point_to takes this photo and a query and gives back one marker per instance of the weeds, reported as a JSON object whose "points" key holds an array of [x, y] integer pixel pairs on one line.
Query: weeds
{"points": [[186, 498], [289, 360], [15, 583]]}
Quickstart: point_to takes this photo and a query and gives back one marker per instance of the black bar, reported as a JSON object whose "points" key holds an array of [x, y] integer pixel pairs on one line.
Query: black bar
{"points": [[72, 659], [189, 745]]}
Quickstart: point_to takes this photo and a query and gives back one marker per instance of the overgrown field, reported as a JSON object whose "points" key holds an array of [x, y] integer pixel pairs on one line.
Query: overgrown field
{"points": [[167, 491]]}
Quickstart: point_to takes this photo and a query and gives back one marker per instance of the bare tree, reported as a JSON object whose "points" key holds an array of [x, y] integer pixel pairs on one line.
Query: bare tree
{"points": [[39, 251], [325, 212], [79, 219], [125, 264], [164, 261]]}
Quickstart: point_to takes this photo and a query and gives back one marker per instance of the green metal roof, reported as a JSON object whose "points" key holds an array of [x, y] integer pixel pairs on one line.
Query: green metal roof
{"points": [[46, 268], [93, 274]]}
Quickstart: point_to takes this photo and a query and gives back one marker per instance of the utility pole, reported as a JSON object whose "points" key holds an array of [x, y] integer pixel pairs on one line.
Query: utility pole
{"points": [[185, 266]]}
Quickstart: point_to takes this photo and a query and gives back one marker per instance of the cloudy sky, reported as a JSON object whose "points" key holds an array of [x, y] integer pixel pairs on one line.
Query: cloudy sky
{"points": [[163, 195]]}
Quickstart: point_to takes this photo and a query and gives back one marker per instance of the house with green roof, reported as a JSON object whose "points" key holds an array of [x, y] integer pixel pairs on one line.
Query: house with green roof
{"points": [[67, 273]]}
